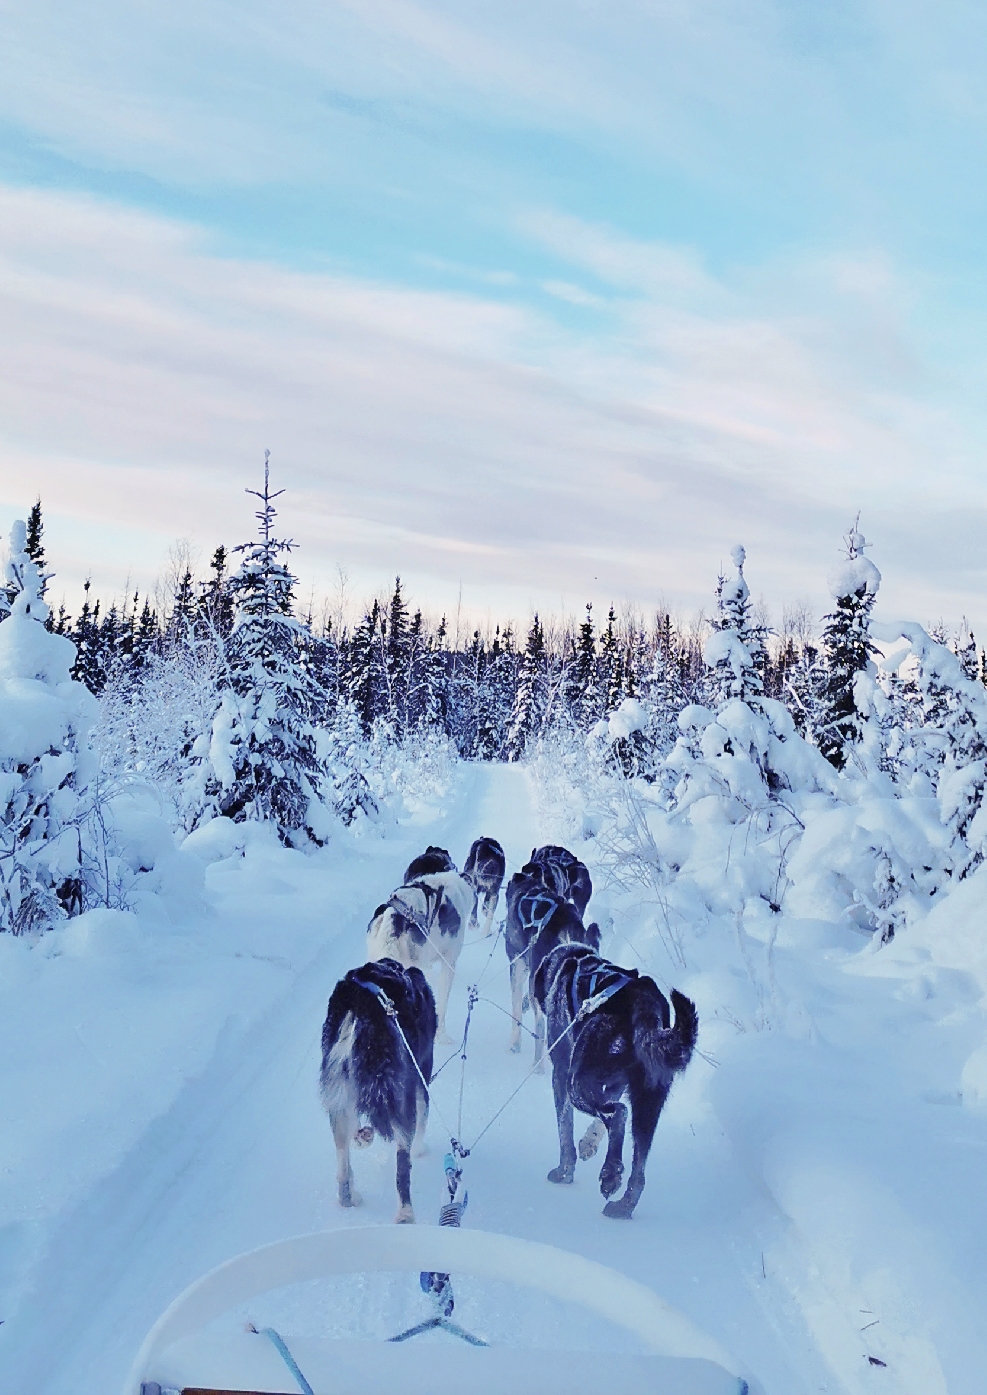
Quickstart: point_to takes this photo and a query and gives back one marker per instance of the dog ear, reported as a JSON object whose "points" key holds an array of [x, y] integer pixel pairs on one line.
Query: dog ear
{"points": [[593, 935]]}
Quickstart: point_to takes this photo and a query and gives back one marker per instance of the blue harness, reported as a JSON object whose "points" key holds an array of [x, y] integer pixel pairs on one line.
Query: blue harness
{"points": [[594, 982], [536, 908]]}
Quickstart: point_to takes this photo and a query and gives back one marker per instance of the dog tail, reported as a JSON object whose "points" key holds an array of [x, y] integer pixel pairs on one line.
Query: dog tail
{"points": [[663, 1051]]}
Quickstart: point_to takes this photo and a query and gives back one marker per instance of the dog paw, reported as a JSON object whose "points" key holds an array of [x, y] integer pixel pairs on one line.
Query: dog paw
{"points": [[619, 1210], [563, 1175], [405, 1216], [610, 1179], [515, 1048], [420, 1150], [363, 1137], [539, 1067], [348, 1195], [443, 1037]]}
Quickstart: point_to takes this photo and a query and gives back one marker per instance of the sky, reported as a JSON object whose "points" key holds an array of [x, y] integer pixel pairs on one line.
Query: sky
{"points": [[532, 303]]}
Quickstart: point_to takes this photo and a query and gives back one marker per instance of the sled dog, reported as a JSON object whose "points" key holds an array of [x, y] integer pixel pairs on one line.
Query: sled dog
{"points": [[568, 875], [484, 870], [431, 860], [423, 923], [624, 1045], [537, 920], [367, 1072]]}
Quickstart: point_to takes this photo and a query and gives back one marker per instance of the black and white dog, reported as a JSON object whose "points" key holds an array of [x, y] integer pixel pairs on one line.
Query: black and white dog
{"points": [[622, 1042], [423, 923], [564, 873], [484, 870], [431, 860], [367, 1073], [537, 920]]}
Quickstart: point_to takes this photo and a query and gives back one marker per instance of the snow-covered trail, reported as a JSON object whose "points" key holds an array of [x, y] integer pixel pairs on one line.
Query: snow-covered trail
{"points": [[243, 1154]]}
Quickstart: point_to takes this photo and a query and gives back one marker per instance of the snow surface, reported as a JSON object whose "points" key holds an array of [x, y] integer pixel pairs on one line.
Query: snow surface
{"points": [[815, 1193]]}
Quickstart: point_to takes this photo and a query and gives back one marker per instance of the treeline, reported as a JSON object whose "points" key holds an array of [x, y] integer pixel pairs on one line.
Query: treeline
{"points": [[491, 694]]}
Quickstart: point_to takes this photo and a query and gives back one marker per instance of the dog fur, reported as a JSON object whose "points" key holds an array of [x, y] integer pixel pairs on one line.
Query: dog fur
{"points": [[537, 920], [366, 1071], [484, 870], [564, 871], [431, 860], [423, 923], [627, 1046]]}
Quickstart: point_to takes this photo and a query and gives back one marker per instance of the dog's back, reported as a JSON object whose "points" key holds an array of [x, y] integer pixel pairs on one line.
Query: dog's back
{"points": [[431, 860], [563, 871], [485, 865], [366, 1069]]}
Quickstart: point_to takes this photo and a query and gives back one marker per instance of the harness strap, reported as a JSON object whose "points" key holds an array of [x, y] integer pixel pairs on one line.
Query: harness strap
{"points": [[531, 914], [433, 899], [594, 983]]}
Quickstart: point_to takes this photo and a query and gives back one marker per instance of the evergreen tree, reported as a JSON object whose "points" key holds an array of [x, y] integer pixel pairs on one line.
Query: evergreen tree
{"points": [[263, 748], [611, 667], [45, 762], [34, 545], [215, 605], [531, 698], [582, 685], [364, 687], [964, 646], [847, 649], [183, 610], [396, 658], [737, 641], [89, 667]]}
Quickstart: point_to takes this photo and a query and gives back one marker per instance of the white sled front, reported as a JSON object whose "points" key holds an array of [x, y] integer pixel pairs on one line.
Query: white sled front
{"points": [[188, 1349]]}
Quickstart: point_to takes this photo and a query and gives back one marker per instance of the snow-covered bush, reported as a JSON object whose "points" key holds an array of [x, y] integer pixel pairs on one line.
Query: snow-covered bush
{"points": [[156, 722], [46, 765]]}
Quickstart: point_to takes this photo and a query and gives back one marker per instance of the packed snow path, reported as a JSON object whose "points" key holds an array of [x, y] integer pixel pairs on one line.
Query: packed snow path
{"points": [[242, 1154]]}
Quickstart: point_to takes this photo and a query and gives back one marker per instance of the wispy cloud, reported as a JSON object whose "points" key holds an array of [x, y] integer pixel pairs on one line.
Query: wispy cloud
{"points": [[448, 436]]}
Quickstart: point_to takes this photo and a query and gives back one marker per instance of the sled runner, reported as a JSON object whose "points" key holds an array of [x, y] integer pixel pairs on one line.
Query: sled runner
{"points": [[189, 1348]]}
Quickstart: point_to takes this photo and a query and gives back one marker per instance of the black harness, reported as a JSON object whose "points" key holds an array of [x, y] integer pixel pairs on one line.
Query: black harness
{"points": [[433, 900]]}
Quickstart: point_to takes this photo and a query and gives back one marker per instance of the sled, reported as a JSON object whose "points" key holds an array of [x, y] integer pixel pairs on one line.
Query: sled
{"points": [[188, 1351]]}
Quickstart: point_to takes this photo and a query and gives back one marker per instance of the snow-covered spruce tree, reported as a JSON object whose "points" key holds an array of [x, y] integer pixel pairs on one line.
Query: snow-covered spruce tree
{"points": [[531, 697], [263, 746], [847, 650], [45, 761], [582, 694], [743, 764], [736, 641], [944, 749]]}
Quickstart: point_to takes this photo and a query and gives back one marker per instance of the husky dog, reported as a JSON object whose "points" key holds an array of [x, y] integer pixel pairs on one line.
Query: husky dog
{"points": [[367, 1072], [625, 1044], [563, 871], [421, 923], [431, 860], [484, 870], [537, 920]]}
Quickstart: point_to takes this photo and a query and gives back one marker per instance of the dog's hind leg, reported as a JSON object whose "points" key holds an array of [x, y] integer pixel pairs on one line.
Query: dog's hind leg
{"points": [[519, 971], [646, 1106], [342, 1129], [591, 1139], [405, 1215], [419, 1147], [447, 972], [615, 1118], [566, 1170], [489, 906], [539, 1065]]}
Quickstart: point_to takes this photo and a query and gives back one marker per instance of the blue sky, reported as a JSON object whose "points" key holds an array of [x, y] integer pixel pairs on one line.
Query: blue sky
{"points": [[533, 303]]}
